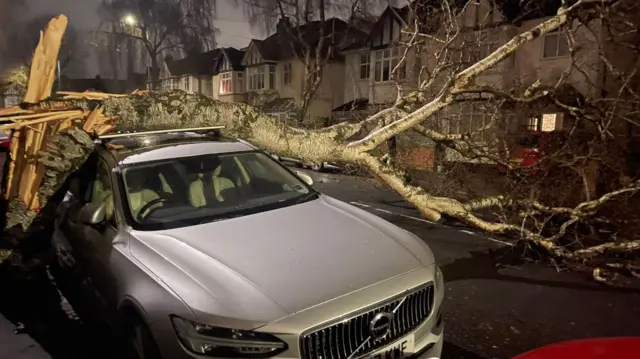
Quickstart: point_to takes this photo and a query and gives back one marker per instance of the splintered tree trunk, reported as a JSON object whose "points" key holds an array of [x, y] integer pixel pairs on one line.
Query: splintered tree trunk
{"points": [[67, 150], [62, 155]]}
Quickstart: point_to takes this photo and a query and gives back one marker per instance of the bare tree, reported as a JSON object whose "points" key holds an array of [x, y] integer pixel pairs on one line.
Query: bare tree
{"points": [[312, 33], [160, 26], [9, 17]]}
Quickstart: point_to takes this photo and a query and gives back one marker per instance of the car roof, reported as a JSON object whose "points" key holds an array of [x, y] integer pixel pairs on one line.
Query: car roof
{"points": [[154, 147]]}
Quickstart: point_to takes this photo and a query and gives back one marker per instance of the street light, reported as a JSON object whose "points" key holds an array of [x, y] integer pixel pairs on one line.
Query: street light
{"points": [[129, 20]]}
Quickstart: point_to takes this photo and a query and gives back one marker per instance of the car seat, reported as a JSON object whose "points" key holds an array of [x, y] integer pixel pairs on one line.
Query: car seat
{"points": [[139, 190], [208, 187], [101, 194]]}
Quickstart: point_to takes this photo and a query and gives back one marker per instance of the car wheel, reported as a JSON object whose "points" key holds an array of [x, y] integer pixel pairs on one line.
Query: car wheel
{"points": [[139, 341]]}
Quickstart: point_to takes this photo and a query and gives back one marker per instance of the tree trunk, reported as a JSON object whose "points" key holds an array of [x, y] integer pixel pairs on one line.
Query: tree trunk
{"points": [[155, 73]]}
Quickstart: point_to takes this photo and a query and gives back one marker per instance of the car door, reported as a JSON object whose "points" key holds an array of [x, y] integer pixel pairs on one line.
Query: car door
{"points": [[92, 244]]}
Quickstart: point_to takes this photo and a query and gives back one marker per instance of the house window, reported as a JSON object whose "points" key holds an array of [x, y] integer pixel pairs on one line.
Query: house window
{"points": [[286, 74], [386, 61], [556, 44], [365, 66], [174, 84], [533, 124], [240, 86], [272, 77], [480, 44], [225, 83], [186, 83], [467, 117], [256, 78]]}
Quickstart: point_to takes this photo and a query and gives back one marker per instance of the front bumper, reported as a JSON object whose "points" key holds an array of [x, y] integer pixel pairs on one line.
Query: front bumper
{"points": [[427, 337]]}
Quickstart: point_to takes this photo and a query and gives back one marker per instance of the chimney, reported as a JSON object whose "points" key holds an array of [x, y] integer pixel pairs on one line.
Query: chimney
{"points": [[283, 26]]}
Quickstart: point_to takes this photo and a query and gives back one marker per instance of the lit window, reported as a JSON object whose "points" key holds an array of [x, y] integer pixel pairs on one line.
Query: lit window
{"points": [[225, 83], [555, 44], [533, 124]]}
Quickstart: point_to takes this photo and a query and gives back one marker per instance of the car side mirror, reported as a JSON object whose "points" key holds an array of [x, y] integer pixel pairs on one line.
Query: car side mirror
{"points": [[305, 177], [93, 213]]}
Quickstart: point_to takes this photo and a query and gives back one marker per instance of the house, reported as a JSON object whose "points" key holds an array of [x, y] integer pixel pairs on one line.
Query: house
{"points": [[216, 73], [228, 76], [271, 73], [370, 82], [10, 94], [485, 26], [276, 72], [193, 73]]}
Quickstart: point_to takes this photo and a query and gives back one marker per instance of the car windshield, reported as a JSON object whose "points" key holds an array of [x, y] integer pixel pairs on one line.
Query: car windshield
{"points": [[194, 190]]}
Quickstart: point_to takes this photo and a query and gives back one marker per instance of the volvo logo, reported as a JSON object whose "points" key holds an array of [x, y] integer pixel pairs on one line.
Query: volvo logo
{"points": [[380, 325]]}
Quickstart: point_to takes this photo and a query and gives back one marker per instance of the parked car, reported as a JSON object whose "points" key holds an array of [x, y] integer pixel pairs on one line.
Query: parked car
{"points": [[200, 246], [593, 348], [5, 140], [531, 148], [316, 166]]}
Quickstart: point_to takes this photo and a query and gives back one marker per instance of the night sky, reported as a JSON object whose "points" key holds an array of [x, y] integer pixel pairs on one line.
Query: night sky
{"points": [[234, 30]]}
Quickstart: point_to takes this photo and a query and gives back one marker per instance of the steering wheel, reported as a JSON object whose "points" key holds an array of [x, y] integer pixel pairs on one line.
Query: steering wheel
{"points": [[146, 208]]}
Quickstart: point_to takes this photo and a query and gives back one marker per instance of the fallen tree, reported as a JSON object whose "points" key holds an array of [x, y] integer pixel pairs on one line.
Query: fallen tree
{"points": [[53, 136]]}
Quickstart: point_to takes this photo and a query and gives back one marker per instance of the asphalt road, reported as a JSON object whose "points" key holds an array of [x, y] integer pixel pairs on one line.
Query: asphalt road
{"points": [[496, 307]]}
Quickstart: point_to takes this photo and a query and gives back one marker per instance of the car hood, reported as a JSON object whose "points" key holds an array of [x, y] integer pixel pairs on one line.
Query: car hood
{"points": [[269, 265]]}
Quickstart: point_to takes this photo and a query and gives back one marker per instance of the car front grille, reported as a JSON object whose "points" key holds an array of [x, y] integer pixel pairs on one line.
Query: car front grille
{"points": [[351, 338]]}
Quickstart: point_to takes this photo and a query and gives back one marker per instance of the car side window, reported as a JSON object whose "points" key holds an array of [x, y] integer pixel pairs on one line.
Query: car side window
{"points": [[102, 191], [79, 182]]}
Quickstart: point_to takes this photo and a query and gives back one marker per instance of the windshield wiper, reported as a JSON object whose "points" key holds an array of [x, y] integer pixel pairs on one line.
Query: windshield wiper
{"points": [[305, 198], [218, 218]]}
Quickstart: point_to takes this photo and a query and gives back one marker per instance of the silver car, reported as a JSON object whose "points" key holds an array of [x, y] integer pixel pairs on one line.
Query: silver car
{"points": [[197, 246]]}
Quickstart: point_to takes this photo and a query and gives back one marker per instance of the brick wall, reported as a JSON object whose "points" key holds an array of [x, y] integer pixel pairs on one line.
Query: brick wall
{"points": [[416, 151]]}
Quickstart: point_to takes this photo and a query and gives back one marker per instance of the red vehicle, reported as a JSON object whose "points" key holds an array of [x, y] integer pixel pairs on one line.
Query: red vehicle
{"points": [[596, 348], [532, 146], [5, 140]]}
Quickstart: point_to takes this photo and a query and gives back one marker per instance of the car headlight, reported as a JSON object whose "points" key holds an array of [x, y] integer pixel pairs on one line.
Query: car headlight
{"points": [[214, 341]]}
